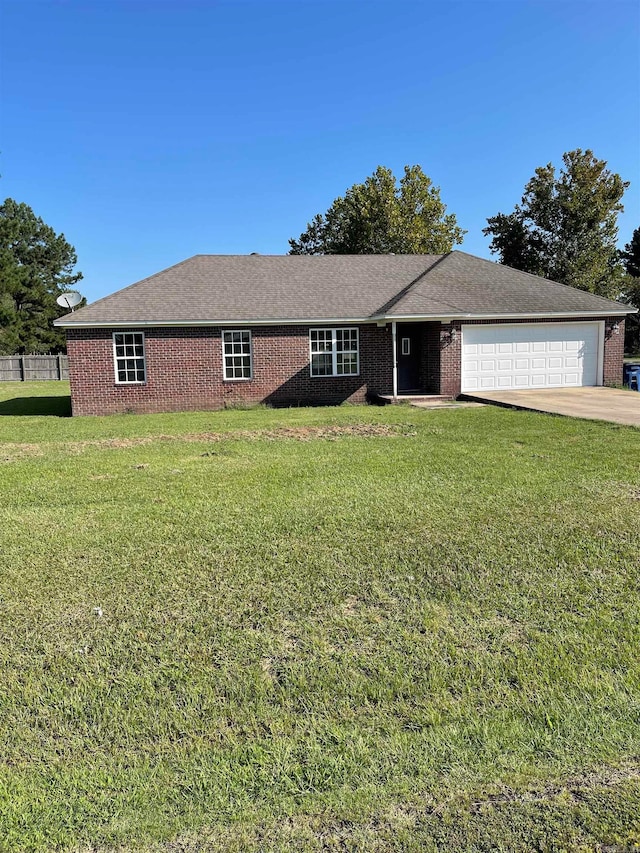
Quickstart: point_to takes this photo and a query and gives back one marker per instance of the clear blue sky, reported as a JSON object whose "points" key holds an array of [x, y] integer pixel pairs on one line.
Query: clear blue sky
{"points": [[151, 131]]}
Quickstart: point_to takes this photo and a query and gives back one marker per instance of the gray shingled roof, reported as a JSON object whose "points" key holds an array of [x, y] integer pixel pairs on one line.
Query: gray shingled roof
{"points": [[261, 288]]}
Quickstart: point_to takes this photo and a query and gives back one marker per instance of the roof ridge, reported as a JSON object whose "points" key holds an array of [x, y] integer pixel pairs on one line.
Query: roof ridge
{"points": [[398, 296], [441, 259], [358, 288], [533, 275]]}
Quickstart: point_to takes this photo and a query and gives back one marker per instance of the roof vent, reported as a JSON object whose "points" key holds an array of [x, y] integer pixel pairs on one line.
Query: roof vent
{"points": [[255, 253]]}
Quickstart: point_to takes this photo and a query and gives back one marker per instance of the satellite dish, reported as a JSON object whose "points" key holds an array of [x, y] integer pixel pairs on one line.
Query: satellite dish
{"points": [[69, 299]]}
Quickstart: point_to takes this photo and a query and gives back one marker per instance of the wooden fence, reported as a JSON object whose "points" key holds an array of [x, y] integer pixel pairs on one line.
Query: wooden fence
{"points": [[22, 368]]}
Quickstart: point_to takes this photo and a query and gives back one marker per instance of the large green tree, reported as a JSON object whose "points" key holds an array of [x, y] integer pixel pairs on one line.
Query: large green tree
{"points": [[631, 255], [382, 216], [36, 266], [566, 225], [631, 292]]}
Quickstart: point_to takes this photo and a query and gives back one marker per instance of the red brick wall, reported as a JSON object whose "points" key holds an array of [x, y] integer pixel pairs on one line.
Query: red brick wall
{"points": [[184, 368], [613, 351], [451, 353], [450, 358], [184, 371]]}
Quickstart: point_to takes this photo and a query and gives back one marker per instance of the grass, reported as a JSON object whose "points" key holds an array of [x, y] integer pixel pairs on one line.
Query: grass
{"points": [[335, 629]]}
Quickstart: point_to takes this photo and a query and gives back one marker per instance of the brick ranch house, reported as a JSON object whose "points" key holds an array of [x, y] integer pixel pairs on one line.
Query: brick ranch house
{"points": [[217, 330]]}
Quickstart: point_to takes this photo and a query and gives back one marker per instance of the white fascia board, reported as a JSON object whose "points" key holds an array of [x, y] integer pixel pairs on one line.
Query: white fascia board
{"points": [[321, 321], [343, 321], [447, 318]]}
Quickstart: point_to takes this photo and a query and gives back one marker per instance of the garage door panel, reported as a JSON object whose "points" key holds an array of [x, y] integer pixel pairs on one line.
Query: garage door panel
{"points": [[487, 383], [552, 355]]}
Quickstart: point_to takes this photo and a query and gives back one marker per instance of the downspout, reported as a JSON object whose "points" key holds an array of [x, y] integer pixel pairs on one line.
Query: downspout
{"points": [[394, 358]]}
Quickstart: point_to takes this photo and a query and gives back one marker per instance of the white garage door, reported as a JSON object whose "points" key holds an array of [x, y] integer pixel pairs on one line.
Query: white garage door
{"points": [[536, 355]]}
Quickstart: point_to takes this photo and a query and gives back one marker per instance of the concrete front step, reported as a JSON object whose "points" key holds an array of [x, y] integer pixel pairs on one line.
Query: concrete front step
{"points": [[414, 398]]}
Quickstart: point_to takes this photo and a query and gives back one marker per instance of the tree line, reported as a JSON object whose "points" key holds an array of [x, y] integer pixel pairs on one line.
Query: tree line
{"points": [[565, 228]]}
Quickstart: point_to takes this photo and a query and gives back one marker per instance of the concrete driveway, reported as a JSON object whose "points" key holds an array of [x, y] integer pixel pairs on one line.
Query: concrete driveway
{"points": [[600, 404]]}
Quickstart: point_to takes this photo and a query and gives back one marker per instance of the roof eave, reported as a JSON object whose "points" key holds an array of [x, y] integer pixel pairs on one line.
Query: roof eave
{"points": [[315, 321], [272, 321], [530, 315]]}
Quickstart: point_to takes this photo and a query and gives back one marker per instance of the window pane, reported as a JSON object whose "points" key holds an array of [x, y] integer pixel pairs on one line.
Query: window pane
{"points": [[346, 339], [321, 365], [237, 354], [325, 343], [321, 340], [129, 356], [347, 364]]}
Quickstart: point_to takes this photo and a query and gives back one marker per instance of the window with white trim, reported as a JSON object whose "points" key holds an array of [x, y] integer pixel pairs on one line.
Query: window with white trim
{"points": [[334, 352], [236, 354], [129, 357]]}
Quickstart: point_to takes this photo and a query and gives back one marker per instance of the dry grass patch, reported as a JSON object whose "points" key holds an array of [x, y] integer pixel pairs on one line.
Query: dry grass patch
{"points": [[10, 452]]}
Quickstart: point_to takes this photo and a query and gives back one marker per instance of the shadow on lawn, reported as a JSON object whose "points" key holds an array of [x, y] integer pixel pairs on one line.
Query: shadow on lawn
{"points": [[59, 407]]}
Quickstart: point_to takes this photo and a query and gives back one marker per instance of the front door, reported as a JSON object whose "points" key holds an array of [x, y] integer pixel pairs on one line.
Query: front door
{"points": [[409, 340]]}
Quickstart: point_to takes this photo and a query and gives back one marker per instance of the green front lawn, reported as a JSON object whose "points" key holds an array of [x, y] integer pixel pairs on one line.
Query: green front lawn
{"points": [[333, 629]]}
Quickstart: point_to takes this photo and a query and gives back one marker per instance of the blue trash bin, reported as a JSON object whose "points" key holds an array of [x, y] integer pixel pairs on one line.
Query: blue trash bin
{"points": [[626, 368], [632, 372]]}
